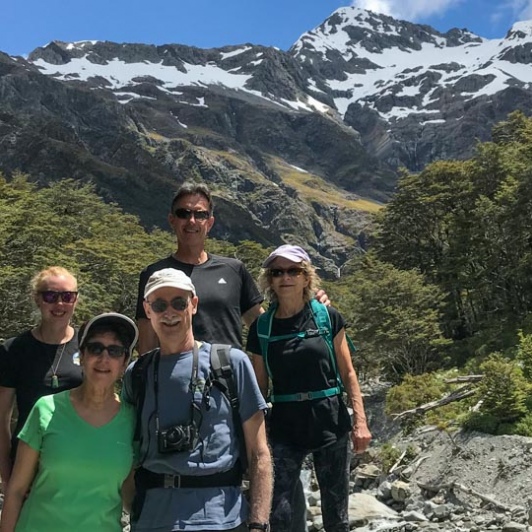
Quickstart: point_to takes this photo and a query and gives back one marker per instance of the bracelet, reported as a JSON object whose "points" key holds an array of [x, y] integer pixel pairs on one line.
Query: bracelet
{"points": [[265, 527]]}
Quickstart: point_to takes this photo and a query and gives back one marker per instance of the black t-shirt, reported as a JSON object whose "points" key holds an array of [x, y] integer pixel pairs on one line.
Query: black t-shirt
{"points": [[26, 365], [225, 290], [303, 365]]}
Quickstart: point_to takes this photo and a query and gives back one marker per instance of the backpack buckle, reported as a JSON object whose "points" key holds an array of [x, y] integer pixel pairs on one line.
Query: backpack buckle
{"points": [[303, 396]]}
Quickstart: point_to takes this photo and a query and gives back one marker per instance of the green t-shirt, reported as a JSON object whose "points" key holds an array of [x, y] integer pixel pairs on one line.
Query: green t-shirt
{"points": [[81, 468]]}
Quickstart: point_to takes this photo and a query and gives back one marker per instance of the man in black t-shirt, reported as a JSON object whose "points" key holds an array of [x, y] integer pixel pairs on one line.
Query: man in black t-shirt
{"points": [[227, 293]]}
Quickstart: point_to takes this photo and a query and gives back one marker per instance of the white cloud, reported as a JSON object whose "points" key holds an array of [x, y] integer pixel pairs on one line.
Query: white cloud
{"points": [[409, 9], [516, 9], [525, 10]]}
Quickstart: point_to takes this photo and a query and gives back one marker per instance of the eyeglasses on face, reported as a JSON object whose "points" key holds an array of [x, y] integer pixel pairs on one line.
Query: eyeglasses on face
{"points": [[52, 296], [160, 305], [291, 272], [96, 349], [186, 214]]}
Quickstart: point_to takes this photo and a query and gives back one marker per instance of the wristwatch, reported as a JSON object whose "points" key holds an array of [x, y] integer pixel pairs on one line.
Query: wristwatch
{"points": [[265, 527]]}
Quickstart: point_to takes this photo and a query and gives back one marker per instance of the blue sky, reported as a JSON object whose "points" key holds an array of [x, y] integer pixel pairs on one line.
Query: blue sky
{"points": [[27, 24]]}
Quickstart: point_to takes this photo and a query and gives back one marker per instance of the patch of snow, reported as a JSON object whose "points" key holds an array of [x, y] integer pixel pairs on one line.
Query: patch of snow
{"points": [[238, 51], [435, 121], [79, 44], [298, 169], [120, 74]]}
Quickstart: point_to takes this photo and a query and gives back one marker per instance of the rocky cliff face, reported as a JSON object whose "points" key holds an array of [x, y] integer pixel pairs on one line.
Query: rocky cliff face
{"points": [[291, 142]]}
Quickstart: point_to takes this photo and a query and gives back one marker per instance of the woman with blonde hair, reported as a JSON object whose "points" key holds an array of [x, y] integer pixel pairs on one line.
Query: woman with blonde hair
{"points": [[41, 361], [300, 348]]}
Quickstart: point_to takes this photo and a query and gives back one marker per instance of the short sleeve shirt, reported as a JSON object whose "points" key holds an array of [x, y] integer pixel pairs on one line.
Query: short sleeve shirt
{"points": [[81, 468], [218, 448], [26, 365], [225, 290]]}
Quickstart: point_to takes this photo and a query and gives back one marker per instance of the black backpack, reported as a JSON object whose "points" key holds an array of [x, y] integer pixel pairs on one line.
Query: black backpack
{"points": [[221, 376]]}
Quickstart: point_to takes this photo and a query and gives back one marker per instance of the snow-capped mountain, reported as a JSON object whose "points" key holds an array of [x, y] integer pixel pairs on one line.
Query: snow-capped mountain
{"points": [[400, 85], [275, 131], [410, 81]]}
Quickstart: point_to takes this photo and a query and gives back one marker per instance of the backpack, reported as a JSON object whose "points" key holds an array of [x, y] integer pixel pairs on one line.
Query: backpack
{"points": [[322, 320], [221, 376]]}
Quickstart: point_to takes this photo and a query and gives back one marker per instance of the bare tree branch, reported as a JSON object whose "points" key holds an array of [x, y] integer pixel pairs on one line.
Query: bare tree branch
{"points": [[457, 395]]}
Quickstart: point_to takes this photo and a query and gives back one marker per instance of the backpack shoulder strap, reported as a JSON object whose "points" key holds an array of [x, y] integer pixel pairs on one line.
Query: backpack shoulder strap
{"points": [[223, 372], [323, 323], [264, 328], [139, 378], [223, 377], [264, 331], [351, 344]]}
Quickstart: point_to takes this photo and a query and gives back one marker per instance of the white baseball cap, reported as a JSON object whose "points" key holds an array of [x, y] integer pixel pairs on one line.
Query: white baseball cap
{"points": [[169, 277]]}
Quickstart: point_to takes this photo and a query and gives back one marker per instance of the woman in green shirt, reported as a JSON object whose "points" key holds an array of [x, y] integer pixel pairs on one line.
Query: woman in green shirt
{"points": [[75, 453]]}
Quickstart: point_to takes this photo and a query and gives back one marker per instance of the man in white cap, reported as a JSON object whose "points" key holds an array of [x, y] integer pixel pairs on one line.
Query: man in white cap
{"points": [[190, 475]]}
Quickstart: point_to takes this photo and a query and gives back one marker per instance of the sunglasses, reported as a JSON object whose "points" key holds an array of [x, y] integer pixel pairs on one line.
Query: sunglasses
{"points": [[186, 214], [160, 305], [96, 349], [51, 296], [291, 272]]}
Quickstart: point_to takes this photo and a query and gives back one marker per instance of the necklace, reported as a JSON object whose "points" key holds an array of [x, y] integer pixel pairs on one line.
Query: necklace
{"points": [[55, 378]]}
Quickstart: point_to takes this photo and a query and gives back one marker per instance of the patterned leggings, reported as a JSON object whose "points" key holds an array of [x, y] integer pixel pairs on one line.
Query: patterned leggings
{"points": [[331, 464]]}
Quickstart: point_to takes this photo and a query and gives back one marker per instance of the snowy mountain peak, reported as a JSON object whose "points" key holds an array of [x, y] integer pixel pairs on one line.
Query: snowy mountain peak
{"points": [[520, 31], [358, 67]]}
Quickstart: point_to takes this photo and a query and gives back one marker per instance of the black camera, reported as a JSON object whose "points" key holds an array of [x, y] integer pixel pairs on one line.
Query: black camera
{"points": [[177, 438]]}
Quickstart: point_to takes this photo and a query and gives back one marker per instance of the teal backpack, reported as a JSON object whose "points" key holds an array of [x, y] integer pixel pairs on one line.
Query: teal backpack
{"points": [[323, 323]]}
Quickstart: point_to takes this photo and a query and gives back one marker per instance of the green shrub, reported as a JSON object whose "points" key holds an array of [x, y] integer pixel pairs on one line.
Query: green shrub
{"points": [[480, 422], [524, 354], [524, 426], [388, 456], [504, 390], [415, 391]]}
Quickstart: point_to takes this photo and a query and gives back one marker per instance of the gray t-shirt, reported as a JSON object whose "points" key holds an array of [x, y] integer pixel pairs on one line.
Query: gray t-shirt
{"points": [[218, 448]]}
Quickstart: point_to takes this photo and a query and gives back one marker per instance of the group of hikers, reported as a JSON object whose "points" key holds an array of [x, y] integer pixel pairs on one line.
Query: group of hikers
{"points": [[195, 412]]}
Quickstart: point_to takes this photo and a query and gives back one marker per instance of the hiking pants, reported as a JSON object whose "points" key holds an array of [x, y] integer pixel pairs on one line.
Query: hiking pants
{"points": [[331, 464]]}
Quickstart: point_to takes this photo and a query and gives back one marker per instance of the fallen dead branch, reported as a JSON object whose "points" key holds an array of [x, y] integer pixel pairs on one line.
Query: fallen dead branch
{"points": [[456, 485], [465, 378], [457, 395], [398, 462]]}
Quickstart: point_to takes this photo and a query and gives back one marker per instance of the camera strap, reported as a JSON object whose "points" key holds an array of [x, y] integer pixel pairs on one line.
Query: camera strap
{"points": [[193, 385]]}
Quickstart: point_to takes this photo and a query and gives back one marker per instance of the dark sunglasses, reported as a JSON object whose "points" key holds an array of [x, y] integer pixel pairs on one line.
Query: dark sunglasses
{"points": [[186, 214], [291, 272], [96, 349], [160, 305], [51, 296]]}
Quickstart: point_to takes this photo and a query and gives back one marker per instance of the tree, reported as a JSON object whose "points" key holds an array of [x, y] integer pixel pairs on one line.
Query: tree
{"points": [[394, 318], [67, 224]]}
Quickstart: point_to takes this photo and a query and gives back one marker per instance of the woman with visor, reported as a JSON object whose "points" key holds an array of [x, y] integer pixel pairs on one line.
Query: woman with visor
{"points": [[307, 364], [75, 454], [40, 361]]}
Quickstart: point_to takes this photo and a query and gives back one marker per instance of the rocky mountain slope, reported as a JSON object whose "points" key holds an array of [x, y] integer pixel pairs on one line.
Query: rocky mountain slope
{"points": [[300, 145]]}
